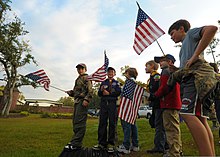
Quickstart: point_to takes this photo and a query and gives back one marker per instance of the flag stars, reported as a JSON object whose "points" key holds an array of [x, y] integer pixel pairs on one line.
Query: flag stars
{"points": [[129, 89]]}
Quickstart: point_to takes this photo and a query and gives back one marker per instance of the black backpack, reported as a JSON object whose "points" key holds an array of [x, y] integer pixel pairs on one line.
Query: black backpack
{"points": [[88, 152]]}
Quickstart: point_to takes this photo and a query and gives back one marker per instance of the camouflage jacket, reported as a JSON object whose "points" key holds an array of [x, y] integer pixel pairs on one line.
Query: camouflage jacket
{"points": [[205, 77], [82, 88]]}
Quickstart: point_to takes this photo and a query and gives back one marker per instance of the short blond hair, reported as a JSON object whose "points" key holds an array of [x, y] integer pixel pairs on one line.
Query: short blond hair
{"points": [[152, 62]]}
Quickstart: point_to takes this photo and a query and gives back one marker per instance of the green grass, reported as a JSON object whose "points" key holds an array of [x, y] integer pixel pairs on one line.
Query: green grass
{"points": [[33, 136]]}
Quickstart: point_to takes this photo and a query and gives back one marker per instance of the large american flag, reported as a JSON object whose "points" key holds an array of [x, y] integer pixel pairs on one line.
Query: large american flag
{"points": [[130, 101], [146, 32], [100, 74], [40, 77]]}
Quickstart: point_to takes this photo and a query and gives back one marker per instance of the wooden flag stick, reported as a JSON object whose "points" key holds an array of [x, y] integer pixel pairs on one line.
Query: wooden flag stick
{"points": [[160, 48], [58, 88]]}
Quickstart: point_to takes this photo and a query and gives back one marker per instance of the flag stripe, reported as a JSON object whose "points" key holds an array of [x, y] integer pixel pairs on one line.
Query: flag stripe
{"points": [[40, 77], [130, 101], [147, 31], [100, 74]]}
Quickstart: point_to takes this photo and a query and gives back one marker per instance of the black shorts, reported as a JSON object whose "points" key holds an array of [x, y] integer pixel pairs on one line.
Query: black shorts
{"points": [[190, 102]]}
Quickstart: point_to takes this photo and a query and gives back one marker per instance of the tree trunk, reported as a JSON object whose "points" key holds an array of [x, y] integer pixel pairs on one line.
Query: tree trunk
{"points": [[8, 99]]}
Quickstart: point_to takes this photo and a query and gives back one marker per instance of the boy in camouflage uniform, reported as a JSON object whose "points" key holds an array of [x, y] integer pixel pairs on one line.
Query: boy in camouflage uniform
{"points": [[82, 93], [197, 80]]}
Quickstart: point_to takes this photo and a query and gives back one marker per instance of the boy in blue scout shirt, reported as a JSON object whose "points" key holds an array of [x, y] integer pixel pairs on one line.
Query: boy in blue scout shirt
{"points": [[109, 91]]}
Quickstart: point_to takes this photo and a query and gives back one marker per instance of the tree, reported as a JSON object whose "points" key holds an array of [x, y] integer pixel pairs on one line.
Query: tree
{"points": [[211, 48], [95, 102], [122, 82], [67, 101], [14, 52]]}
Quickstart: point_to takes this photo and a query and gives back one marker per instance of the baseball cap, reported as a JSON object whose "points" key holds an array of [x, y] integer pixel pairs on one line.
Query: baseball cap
{"points": [[110, 68], [168, 56], [81, 65]]}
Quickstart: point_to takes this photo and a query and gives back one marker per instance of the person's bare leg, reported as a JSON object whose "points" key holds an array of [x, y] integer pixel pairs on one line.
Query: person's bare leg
{"points": [[205, 123], [199, 134]]}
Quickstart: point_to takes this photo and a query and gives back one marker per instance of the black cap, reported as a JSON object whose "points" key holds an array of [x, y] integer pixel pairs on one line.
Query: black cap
{"points": [[110, 68], [168, 56], [82, 65]]}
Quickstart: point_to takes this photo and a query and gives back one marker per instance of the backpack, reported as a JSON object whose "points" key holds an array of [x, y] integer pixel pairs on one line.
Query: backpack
{"points": [[88, 152]]}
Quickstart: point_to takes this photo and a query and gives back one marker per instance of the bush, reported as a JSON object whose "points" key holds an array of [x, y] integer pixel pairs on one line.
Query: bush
{"points": [[45, 115], [57, 115], [24, 113]]}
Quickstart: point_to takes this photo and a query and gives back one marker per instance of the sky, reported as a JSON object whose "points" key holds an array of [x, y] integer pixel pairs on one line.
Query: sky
{"points": [[63, 33]]}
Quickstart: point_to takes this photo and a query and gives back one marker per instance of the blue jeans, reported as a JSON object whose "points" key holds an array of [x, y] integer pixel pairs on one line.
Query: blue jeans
{"points": [[130, 131], [160, 137]]}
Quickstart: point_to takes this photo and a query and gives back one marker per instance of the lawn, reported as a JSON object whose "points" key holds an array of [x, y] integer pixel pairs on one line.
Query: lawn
{"points": [[34, 136]]}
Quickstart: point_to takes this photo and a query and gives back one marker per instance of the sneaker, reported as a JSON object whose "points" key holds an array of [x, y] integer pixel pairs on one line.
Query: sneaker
{"points": [[181, 154], [111, 148], [154, 150], [135, 149], [166, 155], [69, 146], [122, 149], [98, 147]]}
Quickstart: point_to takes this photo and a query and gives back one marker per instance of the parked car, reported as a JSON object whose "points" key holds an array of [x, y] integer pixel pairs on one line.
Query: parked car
{"points": [[145, 111], [93, 112]]}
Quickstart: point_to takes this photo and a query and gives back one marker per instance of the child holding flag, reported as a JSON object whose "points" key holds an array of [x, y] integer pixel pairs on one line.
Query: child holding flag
{"points": [[109, 91], [82, 93], [129, 105]]}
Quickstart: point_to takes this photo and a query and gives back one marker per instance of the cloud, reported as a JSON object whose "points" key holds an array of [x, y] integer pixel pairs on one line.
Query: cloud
{"points": [[64, 33], [62, 38]]}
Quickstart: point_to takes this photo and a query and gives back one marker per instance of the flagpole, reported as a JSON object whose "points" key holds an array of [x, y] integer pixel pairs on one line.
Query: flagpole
{"points": [[58, 88], [160, 47], [49, 85], [138, 5], [139, 42]]}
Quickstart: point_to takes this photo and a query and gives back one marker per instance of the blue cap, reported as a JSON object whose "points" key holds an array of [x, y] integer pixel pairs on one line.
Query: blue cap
{"points": [[168, 56]]}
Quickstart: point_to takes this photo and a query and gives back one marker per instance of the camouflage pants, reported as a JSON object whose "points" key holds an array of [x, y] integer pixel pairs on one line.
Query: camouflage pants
{"points": [[172, 128], [79, 123]]}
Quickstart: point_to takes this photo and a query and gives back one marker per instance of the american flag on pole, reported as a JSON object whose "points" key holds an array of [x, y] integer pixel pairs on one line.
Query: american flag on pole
{"points": [[146, 31], [40, 77], [130, 101], [100, 74]]}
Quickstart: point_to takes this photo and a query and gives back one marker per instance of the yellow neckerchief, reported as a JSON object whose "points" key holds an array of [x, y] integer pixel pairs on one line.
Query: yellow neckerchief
{"points": [[154, 73], [148, 81]]}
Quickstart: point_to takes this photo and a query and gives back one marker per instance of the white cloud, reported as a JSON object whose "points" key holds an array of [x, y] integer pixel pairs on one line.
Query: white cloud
{"points": [[64, 33]]}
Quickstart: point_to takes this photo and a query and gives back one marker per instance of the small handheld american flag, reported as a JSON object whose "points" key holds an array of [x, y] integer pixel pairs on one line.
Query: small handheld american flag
{"points": [[130, 101], [40, 77], [100, 74], [146, 31]]}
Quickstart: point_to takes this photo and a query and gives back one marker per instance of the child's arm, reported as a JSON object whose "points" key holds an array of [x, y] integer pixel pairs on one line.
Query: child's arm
{"points": [[207, 33]]}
